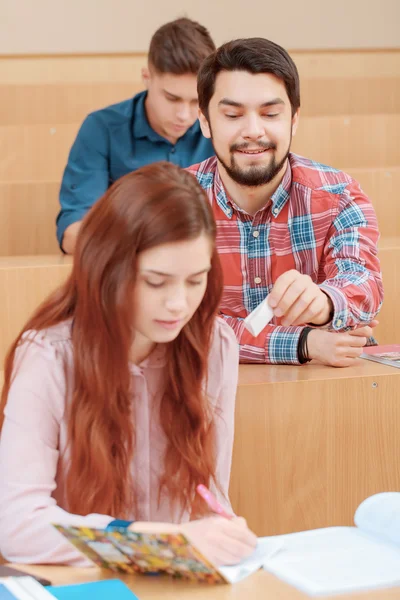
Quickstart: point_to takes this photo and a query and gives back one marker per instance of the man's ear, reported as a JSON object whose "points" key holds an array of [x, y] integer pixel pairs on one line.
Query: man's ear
{"points": [[146, 76], [295, 121], [204, 125]]}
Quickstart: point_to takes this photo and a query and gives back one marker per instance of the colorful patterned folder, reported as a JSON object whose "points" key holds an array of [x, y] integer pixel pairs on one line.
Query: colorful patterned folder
{"points": [[125, 551]]}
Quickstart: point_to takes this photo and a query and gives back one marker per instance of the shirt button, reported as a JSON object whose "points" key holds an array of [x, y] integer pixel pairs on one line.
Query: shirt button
{"points": [[257, 279], [256, 234], [339, 322], [173, 150], [275, 212]]}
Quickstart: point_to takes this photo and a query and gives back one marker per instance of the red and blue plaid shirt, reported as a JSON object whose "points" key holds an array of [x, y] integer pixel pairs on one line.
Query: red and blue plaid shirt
{"points": [[319, 222]]}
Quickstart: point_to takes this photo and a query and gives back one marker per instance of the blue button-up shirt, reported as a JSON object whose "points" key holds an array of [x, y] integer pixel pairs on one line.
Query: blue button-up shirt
{"points": [[112, 142]]}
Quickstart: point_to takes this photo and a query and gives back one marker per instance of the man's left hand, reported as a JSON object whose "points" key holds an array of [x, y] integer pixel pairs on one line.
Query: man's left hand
{"points": [[299, 301]]}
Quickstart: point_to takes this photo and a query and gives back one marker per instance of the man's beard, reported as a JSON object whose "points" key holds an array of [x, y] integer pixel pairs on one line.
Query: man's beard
{"points": [[255, 175]]}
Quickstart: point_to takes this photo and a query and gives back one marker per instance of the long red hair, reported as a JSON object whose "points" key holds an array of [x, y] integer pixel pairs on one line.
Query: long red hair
{"points": [[157, 204]]}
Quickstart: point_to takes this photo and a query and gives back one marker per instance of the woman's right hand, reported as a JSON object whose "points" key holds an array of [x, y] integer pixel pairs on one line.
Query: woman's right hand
{"points": [[222, 541]]}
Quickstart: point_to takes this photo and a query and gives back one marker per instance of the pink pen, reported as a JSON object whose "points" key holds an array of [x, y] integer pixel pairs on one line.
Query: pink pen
{"points": [[212, 502]]}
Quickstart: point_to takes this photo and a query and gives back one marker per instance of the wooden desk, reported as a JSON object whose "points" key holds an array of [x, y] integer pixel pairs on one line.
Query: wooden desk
{"points": [[260, 586], [312, 442], [25, 281]]}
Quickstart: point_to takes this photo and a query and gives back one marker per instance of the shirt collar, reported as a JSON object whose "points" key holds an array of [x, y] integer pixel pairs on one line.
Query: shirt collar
{"points": [[278, 199], [282, 192], [142, 128], [156, 359]]}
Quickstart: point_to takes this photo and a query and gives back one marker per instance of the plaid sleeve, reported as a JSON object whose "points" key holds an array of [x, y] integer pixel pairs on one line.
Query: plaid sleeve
{"points": [[352, 269], [275, 345]]}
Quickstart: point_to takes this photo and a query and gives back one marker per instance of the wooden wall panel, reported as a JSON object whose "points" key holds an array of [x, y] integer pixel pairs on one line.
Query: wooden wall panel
{"points": [[39, 152], [312, 442], [59, 103], [383, 188], [34, 104], [27, 218], [86, 68], [25, 282]]}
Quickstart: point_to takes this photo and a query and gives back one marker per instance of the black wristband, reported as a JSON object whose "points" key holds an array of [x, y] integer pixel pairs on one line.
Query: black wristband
{"points": [[302, 347]]}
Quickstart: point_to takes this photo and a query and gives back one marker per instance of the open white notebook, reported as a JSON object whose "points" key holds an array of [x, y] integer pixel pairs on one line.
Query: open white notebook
{"points": [[338, 560]]}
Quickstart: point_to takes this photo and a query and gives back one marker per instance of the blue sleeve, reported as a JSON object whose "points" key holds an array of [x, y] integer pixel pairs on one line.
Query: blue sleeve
{"points": [[86, 176]]}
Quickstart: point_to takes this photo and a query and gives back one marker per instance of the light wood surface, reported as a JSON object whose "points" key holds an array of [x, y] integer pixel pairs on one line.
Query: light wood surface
{"points": [[43, 103], [28, 213], [31, 278], [259, 586], [350, 141], [35, 152], [312, 442], [382, 186], [352, 64], [83, 68], [39, 152], [24, 283], [350, 96], [388, 330], [124, 68], [35, 104]]}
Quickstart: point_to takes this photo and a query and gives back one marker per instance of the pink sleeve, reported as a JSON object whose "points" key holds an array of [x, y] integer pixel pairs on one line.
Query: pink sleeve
{"points": [[225, 370], [29, 456]]}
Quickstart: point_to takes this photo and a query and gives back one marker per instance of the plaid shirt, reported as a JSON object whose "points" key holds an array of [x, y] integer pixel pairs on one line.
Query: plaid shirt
{"points": [[318, 222]]}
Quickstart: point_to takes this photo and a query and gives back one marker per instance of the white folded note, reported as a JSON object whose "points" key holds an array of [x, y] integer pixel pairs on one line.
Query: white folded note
{"points": [[259, 318]]}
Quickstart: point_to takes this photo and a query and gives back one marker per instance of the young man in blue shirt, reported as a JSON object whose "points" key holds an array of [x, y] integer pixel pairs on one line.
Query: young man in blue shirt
{"points": [[157, 124]]}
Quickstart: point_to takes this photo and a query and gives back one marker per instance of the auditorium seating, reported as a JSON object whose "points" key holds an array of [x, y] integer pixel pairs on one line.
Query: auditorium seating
{"points": [[70, 102], [28, 211], [30, 208], [24, 282], [39, 152], [311, 442]]}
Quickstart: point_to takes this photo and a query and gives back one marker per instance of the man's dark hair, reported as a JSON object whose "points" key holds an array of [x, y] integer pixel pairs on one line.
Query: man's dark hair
{"points": [[254, 55], [179, 47]]}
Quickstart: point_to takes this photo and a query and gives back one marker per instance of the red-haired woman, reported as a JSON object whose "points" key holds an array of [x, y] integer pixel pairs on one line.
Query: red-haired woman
{"points": [[119, 391]]}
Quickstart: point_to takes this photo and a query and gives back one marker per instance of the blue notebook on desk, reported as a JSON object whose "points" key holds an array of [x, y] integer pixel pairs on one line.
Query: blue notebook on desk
{"points": [[98, 590]]}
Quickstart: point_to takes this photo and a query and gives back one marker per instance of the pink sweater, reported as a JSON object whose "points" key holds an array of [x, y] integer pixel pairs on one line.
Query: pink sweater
{"points": [[34, 457]]}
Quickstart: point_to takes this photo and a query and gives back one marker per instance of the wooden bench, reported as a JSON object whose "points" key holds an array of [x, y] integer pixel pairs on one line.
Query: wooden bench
{"points": [[259, 586], [312, 442], [39, 152], [84, 68], [44, 103], [28, 211], [382, 185], [388, 331], [25, 282], [35, 104]]}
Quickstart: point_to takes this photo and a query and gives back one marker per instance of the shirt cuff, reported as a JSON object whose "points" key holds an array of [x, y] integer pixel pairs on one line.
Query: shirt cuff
{"points": [[64, 221], [340, 307], [282, 345], [118, 524]]}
